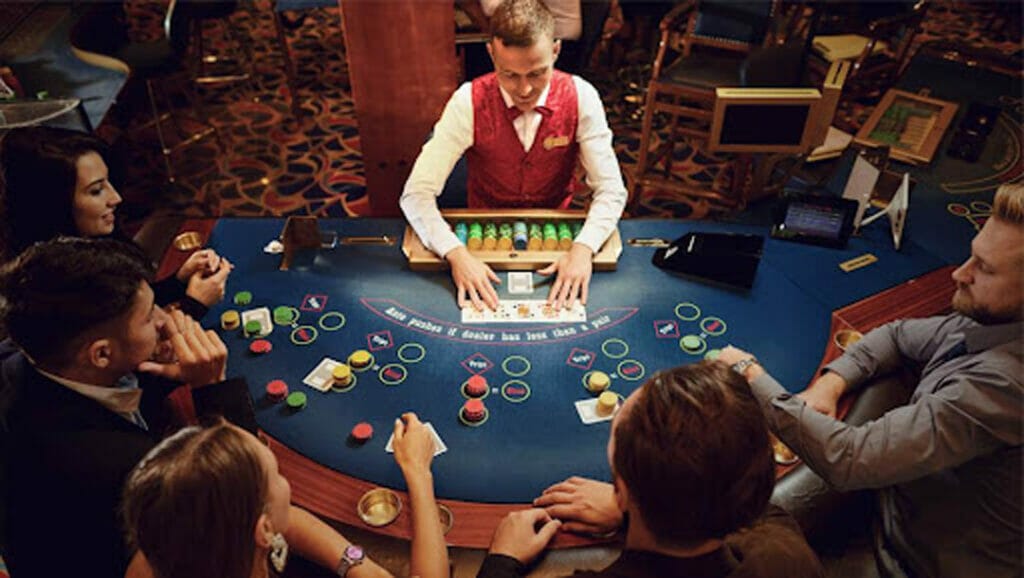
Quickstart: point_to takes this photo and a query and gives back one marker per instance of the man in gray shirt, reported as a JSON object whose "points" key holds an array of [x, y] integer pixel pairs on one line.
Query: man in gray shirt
{"points": [[948, 464]]}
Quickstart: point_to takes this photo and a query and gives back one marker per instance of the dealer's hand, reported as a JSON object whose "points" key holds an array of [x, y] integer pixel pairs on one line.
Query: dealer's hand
{"points": [[518, 537], [574, 270], [473, 278], [585, 506]]}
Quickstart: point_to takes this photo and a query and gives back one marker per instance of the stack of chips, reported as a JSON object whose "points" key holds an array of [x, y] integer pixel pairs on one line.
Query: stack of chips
{"points": [[519, 235], [230, 320], [490, 236], [362, 432], [505, 237], [260, 347], [243, 298], [473, 411], [606, 403], [284, 315], [360, 358], [342, 375], [564, 236], [536, 237], [296, 400], [550, 237], [476, 236], [252, 328], [598, 382], [476, 386], [277, 390], [462, 231]]}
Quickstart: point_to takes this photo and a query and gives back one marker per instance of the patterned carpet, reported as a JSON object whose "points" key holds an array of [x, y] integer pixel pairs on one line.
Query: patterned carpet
{"points": [[263, 163]]}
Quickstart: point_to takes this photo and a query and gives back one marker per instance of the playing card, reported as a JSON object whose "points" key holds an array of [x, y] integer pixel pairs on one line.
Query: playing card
{"points": [[321, 377], [439, 445], [587, 410], [520, 282], [525, 311], [261, 314]]}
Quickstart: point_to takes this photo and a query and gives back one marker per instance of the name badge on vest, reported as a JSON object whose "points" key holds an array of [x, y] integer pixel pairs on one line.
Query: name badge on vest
{"points": [[555, 141]]}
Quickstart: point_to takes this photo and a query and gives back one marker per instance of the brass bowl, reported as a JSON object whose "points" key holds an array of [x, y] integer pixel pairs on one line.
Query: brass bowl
{"points": [[379, 507], [846, 338], [447, 517], [783, 455], [188, 241]]}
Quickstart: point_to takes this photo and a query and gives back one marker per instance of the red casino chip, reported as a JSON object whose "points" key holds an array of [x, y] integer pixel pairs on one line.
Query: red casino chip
{"points": [[362, 432], [277, 390], [260, 346], [476, 386]]}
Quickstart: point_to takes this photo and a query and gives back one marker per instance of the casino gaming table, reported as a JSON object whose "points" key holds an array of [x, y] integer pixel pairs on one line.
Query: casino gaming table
{"points": [[356, 297]]}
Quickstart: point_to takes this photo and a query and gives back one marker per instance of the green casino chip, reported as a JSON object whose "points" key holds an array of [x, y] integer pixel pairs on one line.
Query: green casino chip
{"points": [[284, 315], [296, 400], [243, 298], [253, 327], [691, 342]]}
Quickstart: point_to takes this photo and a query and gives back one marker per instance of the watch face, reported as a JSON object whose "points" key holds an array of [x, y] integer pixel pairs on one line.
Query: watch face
{"points": [[354, 553]]}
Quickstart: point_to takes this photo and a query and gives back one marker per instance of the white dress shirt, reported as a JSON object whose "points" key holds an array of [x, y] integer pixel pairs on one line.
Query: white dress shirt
{"points": [[453, 134], [122, 398]]}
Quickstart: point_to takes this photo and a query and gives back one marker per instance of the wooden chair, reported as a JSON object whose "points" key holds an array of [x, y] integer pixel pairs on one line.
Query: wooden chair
{"points": [[102, 30], [707, 44], [282, 23], [887, 31]]}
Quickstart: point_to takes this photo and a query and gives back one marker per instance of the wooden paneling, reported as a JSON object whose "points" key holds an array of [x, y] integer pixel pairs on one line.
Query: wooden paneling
{"points": [[401, 60]]}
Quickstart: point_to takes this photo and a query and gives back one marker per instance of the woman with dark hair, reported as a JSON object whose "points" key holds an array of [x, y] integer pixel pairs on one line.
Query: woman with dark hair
{"points": [[211, 503], [55, 182]]}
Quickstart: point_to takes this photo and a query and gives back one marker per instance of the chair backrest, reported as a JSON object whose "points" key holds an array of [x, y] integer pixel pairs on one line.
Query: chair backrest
{"points": [[101, 28], [731, 24], [177, 26]]}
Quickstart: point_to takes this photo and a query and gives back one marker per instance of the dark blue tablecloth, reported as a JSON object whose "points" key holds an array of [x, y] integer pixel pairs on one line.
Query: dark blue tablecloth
{"points": [[522, 447]]}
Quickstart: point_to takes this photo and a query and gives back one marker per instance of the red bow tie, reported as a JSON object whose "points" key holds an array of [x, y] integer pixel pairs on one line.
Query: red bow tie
{"points": [[513, 112]]}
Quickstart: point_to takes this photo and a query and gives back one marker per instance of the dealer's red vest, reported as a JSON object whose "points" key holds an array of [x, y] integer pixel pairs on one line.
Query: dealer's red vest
{"points": [[501, 174]]}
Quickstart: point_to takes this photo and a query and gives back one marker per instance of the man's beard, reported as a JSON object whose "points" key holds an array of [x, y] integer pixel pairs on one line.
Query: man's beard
{"points": [[964, 304]]}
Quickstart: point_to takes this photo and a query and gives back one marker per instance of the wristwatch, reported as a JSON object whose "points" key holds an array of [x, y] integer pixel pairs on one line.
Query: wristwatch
{"points": [[742, 365], [352, 557]]}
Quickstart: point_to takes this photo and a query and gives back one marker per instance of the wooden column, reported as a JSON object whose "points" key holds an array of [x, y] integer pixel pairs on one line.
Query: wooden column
{"points": [[401, 60]]}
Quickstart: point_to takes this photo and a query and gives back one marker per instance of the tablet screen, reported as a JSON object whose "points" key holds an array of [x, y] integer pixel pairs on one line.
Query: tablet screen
{"points": [[814, 220], [818, 220]]}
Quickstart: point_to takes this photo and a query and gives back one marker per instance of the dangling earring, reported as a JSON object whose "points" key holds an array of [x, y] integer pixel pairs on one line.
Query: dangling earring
{"points": [[278, 552]]}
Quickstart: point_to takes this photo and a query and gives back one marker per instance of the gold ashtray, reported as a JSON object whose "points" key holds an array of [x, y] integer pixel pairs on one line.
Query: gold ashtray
{"points": [[447, 517], [846, 338], [379, 507], [783, 455], [188, 241]]}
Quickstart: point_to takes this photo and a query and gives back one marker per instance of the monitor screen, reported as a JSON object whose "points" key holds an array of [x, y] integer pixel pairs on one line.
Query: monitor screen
{"points": [[764, 124], [765, 120]]}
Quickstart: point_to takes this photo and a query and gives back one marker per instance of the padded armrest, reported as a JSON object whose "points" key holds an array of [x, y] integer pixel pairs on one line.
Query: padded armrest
{"points": [[804, 494]]}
